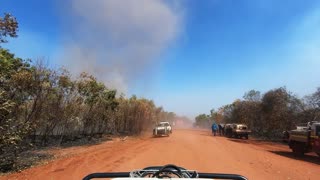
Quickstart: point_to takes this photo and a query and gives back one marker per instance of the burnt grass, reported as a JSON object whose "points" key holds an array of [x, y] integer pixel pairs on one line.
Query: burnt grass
{"points": [[35, 152], [29, 159]]}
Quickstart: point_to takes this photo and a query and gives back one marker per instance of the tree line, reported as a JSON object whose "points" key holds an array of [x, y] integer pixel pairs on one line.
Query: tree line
{"points": [[268, 114], [40, 105]]}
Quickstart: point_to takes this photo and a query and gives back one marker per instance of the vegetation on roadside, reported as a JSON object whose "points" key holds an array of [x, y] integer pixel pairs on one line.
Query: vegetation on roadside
{"points": [[41, 106], [267, 115]]}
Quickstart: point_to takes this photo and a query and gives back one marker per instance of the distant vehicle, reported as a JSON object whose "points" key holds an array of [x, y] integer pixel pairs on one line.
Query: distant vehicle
{"points": [[162, 128], [305, 140], [237, 130], [240, 130]]}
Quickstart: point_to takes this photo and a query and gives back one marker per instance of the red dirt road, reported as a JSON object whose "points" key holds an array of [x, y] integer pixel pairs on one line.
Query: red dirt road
{"points": [[197, 150]]}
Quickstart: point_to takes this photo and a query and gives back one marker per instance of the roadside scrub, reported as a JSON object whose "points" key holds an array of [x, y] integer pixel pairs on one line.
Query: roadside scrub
{"points": [[45, 107]]}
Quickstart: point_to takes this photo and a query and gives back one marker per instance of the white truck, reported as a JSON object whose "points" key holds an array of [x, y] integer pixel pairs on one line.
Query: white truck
{"points": [[162, 128]]}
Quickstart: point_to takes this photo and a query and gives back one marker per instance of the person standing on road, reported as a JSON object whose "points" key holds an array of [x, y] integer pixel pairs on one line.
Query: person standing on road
{"points": [[214, 128], [223, 127], [220, 129]]}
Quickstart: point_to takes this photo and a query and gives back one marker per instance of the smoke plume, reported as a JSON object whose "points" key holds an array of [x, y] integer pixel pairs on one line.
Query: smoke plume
{"points": [[116, 40]]}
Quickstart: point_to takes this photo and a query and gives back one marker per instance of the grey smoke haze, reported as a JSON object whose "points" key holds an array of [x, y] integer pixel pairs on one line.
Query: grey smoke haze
{"points": [[115, 40]]}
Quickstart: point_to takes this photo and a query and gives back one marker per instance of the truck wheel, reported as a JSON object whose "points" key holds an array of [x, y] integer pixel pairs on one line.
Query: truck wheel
{"points": [[234, 135], [168, 133], [297, 149], [246, 136]]}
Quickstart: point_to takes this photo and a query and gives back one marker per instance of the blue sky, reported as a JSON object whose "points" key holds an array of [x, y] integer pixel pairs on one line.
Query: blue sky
{"points": [[215, 51]]}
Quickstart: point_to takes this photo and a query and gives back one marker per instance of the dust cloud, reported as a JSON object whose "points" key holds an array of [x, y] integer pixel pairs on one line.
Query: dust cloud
{"points": [[182, 122], [118, 40]]}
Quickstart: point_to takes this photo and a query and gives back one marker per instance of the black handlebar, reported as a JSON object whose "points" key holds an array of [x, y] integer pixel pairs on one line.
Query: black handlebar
{"points": [[167, 168], [170, 168], [107, 175], [201, 175], [221, 176]]}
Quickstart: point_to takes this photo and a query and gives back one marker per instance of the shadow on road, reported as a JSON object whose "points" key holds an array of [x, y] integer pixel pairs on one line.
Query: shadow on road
{"points": [[160, 136], [279, 148], [238, 140], [256, 141], [210, 134], [307, 157]]}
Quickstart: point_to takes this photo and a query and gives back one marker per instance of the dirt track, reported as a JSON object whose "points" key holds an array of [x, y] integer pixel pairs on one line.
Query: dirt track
{"points": [[191, 149]]}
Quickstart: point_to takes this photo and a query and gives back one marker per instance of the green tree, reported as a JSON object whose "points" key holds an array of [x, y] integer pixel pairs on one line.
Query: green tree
{"points": [[279, 110], [311, 110], [12, 129], [8, 27], [203, 120]]}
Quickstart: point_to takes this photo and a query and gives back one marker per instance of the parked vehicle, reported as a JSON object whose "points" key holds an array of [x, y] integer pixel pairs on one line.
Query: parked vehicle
{"points": [[305, 140], [237, 131], [240, 131]]}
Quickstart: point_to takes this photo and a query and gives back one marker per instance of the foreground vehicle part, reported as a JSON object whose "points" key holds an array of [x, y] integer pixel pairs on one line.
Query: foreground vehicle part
{"points": [[167, 171]]}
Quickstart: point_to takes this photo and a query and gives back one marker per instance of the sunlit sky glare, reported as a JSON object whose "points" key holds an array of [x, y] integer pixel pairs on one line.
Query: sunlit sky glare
{"points": [[189, 56]]}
